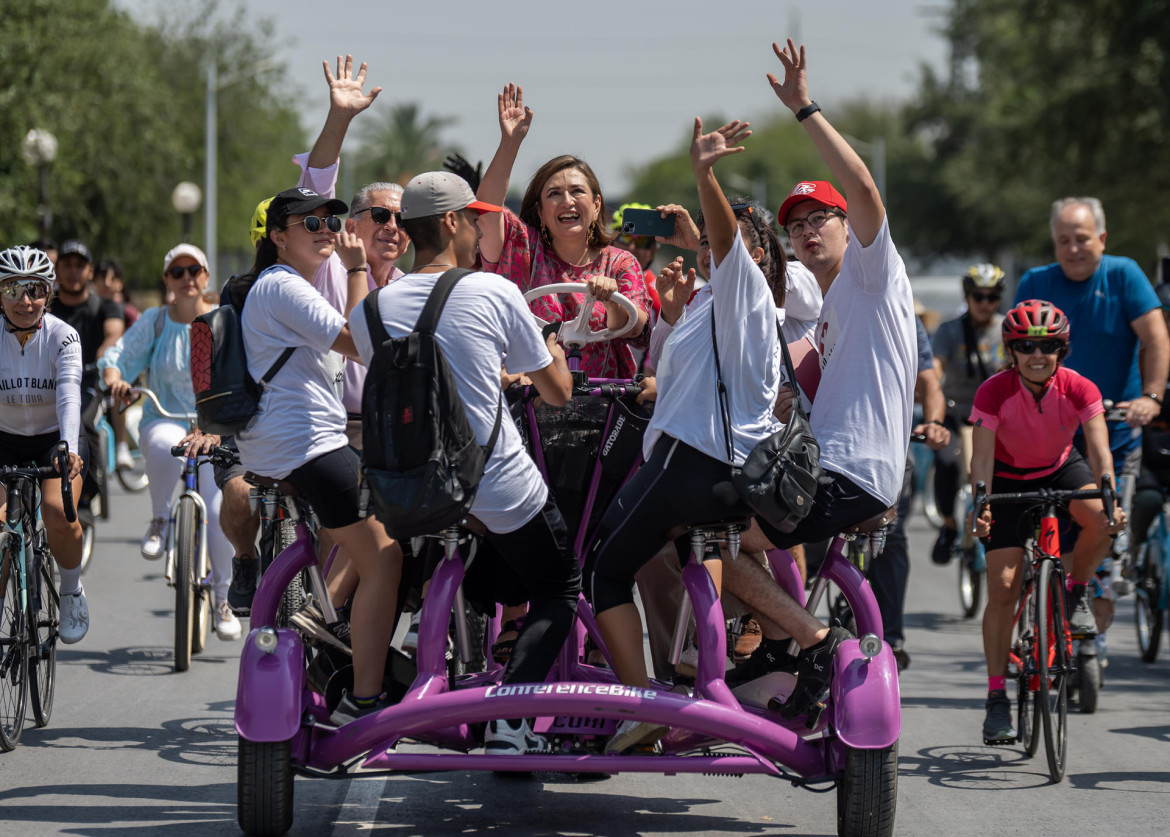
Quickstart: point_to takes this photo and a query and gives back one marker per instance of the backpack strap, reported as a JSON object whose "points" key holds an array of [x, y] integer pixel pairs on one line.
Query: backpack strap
{"points": [[272, 370], [374, 324], [159, 322]]}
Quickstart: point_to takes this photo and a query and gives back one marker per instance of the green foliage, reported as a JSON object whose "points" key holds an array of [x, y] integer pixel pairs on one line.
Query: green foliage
{"points": [[126, 103], [401, 143]]}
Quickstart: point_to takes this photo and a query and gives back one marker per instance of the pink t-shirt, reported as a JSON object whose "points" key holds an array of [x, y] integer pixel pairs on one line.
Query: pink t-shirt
{"points": [[1030, 435], [529, 263]]}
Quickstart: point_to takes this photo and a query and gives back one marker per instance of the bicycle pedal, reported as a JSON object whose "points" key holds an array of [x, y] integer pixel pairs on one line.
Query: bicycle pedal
{"points": [[1000, 742]]}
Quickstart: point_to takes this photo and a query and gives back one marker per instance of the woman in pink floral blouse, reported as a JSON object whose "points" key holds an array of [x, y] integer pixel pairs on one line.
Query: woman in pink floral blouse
{"points": [[558, 237]]}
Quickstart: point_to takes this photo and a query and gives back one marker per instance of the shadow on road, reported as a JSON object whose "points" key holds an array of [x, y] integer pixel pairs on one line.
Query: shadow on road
{"points": [[143, 661]]}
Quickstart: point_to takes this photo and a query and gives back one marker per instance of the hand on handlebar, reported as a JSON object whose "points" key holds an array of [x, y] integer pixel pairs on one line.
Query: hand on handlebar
{"points": [[937, 436], [1140, 411], [120, 390], [75, 464], [601, 287], [982, 527], [198, 443], [1119, 520], [649, 391]]}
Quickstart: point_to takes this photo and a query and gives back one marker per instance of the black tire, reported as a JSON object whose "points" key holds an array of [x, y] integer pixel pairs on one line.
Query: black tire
{"points": [[293, 598], [1148, 617], [1088, 682], [970, 585], [87, 540], [264, 787], [43, 625], [202, 619], [184, 579], [1027, 722], [13, 649], [929, 505], [868, 793], [1053, 663], [101, 477]]}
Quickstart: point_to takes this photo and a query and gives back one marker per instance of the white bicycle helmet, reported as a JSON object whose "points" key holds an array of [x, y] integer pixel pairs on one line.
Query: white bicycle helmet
{"points": [[26, 263]]}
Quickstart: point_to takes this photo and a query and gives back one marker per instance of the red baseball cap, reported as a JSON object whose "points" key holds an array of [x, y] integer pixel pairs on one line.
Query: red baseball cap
{"points": [[820, 191]]}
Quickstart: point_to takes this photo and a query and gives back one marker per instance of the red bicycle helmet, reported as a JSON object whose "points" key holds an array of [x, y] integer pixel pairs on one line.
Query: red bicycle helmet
{"points": [[1035, 318]]}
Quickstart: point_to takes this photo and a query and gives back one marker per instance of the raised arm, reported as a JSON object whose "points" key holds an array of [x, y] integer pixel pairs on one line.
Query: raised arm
{"points": [[706, 150], [866, 212], [346, 100], [515, 120]]}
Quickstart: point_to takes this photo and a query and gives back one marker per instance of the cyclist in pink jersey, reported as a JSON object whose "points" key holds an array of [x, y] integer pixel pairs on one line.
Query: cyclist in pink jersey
{"points": [[1024, 419]]}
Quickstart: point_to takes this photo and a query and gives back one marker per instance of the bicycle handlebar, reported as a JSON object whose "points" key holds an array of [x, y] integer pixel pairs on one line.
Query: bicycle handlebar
{"points": [[216, 455], [153, 399], [1113, 413], [40, 472], [1046, 495]]}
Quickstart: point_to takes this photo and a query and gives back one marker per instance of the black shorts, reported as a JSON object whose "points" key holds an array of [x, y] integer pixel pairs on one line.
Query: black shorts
{"points": [[222, 475], [41, 450], [1009, 521], [331, 485]]}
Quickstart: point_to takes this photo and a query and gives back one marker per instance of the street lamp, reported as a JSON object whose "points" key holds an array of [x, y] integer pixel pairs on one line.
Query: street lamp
{"points": [[186, 199], [39, 148]]}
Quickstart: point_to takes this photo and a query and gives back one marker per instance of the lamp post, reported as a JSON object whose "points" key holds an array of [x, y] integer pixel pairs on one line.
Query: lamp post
{"points": [[39, 148], [186, 198]]}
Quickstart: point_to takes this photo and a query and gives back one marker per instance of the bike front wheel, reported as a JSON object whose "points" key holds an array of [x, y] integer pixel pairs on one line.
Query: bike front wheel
{"points": [[44, 620], [185, 546], [1054, 663], [1148, 616], [970, 584], [13, 647], [264, 787]]}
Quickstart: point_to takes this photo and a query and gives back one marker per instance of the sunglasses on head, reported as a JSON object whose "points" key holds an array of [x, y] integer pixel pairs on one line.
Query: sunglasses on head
{"points": [[313, 223], [381, 215], [639, 242], [16, 289], [1046, 347], [177, 271], [979, 296]]}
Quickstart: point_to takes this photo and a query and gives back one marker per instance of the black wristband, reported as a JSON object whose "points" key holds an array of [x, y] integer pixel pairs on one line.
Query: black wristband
{"points": [[361, 269], [1157, 399], [936, 421], [807, 111]]}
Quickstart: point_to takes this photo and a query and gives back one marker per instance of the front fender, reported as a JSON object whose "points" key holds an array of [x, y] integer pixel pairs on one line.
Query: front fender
{"points": [[271, 688], [867, 701]]}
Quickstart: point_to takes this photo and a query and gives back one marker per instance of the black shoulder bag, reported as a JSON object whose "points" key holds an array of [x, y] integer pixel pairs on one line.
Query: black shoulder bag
{"points": [[779, 478]]}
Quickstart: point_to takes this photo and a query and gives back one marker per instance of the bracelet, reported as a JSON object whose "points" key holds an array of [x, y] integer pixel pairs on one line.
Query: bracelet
{"points": [[361, 269], [1157, 399], [807, 111], [936, 421]]}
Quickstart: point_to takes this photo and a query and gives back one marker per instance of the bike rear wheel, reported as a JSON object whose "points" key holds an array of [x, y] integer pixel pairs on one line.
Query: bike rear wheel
{"points": [[1053, 663], [13, 647], [293, 599], [44, 620], [185, 544], [1088, 682]]}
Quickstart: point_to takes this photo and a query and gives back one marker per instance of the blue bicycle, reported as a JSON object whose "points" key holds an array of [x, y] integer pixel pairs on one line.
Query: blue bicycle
{"points": [[1151, 577]]}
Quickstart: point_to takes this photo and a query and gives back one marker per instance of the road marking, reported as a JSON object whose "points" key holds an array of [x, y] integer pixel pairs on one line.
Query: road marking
{"points": [[361, 803]]}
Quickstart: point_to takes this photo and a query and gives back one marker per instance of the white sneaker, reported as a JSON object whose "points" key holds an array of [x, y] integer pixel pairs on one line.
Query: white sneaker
{"points": [[512, 738], [410, 641], [122, 457], [152, 543], [74, 617], [227, 626], [631, 733]]}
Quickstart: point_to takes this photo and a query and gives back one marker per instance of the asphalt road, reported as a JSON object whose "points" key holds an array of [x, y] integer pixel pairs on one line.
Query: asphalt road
{"points": [[135, 748]]}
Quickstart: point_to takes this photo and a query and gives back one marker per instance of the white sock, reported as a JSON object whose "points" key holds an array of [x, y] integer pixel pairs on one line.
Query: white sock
{"points": [[70, 580]]}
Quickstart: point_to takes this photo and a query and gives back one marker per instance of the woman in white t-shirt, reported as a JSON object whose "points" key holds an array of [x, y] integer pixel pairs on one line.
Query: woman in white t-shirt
{"points": [[298, 433]]}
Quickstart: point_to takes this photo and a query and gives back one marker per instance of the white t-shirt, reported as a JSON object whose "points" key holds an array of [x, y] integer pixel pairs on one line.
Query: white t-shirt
{"points": [[867, 343], [40, 382], [749, 357], [802, 303], [484, 320], [300, 415]]}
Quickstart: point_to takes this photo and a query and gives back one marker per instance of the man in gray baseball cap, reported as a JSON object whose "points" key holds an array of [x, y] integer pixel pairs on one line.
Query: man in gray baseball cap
{"points": [[439, 192]]}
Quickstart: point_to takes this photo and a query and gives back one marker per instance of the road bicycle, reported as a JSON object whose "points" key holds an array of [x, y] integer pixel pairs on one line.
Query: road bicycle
{"points": [[1151, 578], [1041, 659], [30, 617]]}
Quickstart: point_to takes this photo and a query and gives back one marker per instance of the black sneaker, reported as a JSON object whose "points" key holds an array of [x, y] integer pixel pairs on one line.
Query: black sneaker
{"points": [[900, 655], [347, 710], [771, 655], [243, 586], [811, 693], [997, 726], [944, 546], [1079, 612]]}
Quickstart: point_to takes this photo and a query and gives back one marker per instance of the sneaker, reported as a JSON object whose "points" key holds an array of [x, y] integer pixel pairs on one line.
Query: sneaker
{"points": [[410, 641], [512, 737], [1081, 622], [74, 617], [631, 734], [811, 693], [1102, 650], [122, 457], [688, 663], [347, 710], [749, 639], [227, 626], [771, 655], [997, 726], [900, 655], [243, 588], [944, 546], [152, 544], [311, 623]]}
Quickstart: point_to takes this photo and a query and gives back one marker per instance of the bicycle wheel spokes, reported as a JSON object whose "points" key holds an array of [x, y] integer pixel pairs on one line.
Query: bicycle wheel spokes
{"points": [[1054, 659], [13, 648], [44, 620]]}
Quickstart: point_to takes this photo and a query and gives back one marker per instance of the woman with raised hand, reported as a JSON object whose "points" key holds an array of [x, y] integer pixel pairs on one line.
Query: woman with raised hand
{"points": [[559, 237]]}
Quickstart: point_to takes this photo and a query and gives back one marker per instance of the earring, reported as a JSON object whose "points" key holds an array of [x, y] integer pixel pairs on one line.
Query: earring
{"points": [[545, 235]]}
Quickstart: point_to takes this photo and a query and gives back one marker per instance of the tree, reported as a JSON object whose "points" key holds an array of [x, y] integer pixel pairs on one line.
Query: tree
{"points": [[401, 144]]}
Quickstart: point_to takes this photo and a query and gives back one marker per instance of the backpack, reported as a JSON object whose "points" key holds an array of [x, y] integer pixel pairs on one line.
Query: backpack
{"points": [[226, 397], [420, 461]]}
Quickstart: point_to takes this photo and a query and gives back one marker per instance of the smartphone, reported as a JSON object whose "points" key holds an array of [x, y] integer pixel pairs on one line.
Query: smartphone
{"points": [[647, 222]]}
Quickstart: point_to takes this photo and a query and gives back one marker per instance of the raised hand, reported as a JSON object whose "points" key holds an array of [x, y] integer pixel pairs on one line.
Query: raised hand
{"points": [[674, 289], [350, 248], [707, 149], [793, 91], [345, 89], [515, 118], [686, 234]]}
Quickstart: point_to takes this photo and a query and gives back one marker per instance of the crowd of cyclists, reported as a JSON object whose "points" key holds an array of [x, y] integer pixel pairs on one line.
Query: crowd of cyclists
{"points": [[708, 340]]}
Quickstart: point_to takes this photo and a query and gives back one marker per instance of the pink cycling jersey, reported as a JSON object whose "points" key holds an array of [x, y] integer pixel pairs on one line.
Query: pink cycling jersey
{"points": [[1034, 437]]}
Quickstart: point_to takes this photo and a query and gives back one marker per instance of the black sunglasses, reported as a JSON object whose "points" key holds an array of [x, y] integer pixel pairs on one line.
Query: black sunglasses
{"points": [[313, 223], [381, 215], [985, 297], [177, 271], [1047, 347]]}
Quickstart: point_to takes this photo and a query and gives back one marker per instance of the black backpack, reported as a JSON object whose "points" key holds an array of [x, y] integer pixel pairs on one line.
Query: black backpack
{"points": [[226, 397], [420, 459]]}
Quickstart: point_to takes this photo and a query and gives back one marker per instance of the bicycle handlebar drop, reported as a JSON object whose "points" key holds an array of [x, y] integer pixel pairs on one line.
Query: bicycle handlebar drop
{"points": [[1044, 496], [40, 472]]}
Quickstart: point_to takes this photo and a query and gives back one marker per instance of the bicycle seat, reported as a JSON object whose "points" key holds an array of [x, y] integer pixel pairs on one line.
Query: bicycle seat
{"points": [[721, 523], [876, 522], [283, 486]]}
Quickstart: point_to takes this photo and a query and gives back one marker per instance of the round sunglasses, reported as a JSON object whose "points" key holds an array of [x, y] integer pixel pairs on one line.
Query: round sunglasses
{"points": [[15, 290], [178, 271], [313, 223]]}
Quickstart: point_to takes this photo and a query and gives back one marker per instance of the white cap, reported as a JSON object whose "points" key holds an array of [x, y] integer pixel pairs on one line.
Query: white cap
{"points": [[185, 250]]}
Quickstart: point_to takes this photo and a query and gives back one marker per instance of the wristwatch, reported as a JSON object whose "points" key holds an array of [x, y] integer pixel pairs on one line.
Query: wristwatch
{"points": [[1157, 398]]}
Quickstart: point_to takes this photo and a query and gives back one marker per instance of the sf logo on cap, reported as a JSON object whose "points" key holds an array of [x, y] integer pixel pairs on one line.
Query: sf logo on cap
{"points": [[805, 188]]}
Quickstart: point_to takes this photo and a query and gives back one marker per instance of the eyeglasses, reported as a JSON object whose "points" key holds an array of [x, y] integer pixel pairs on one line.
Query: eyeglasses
{"points": [[381, 215], [977, 296], [815, 220], [313, 223], [15, 290], [191, 270], [1046, 347]]}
